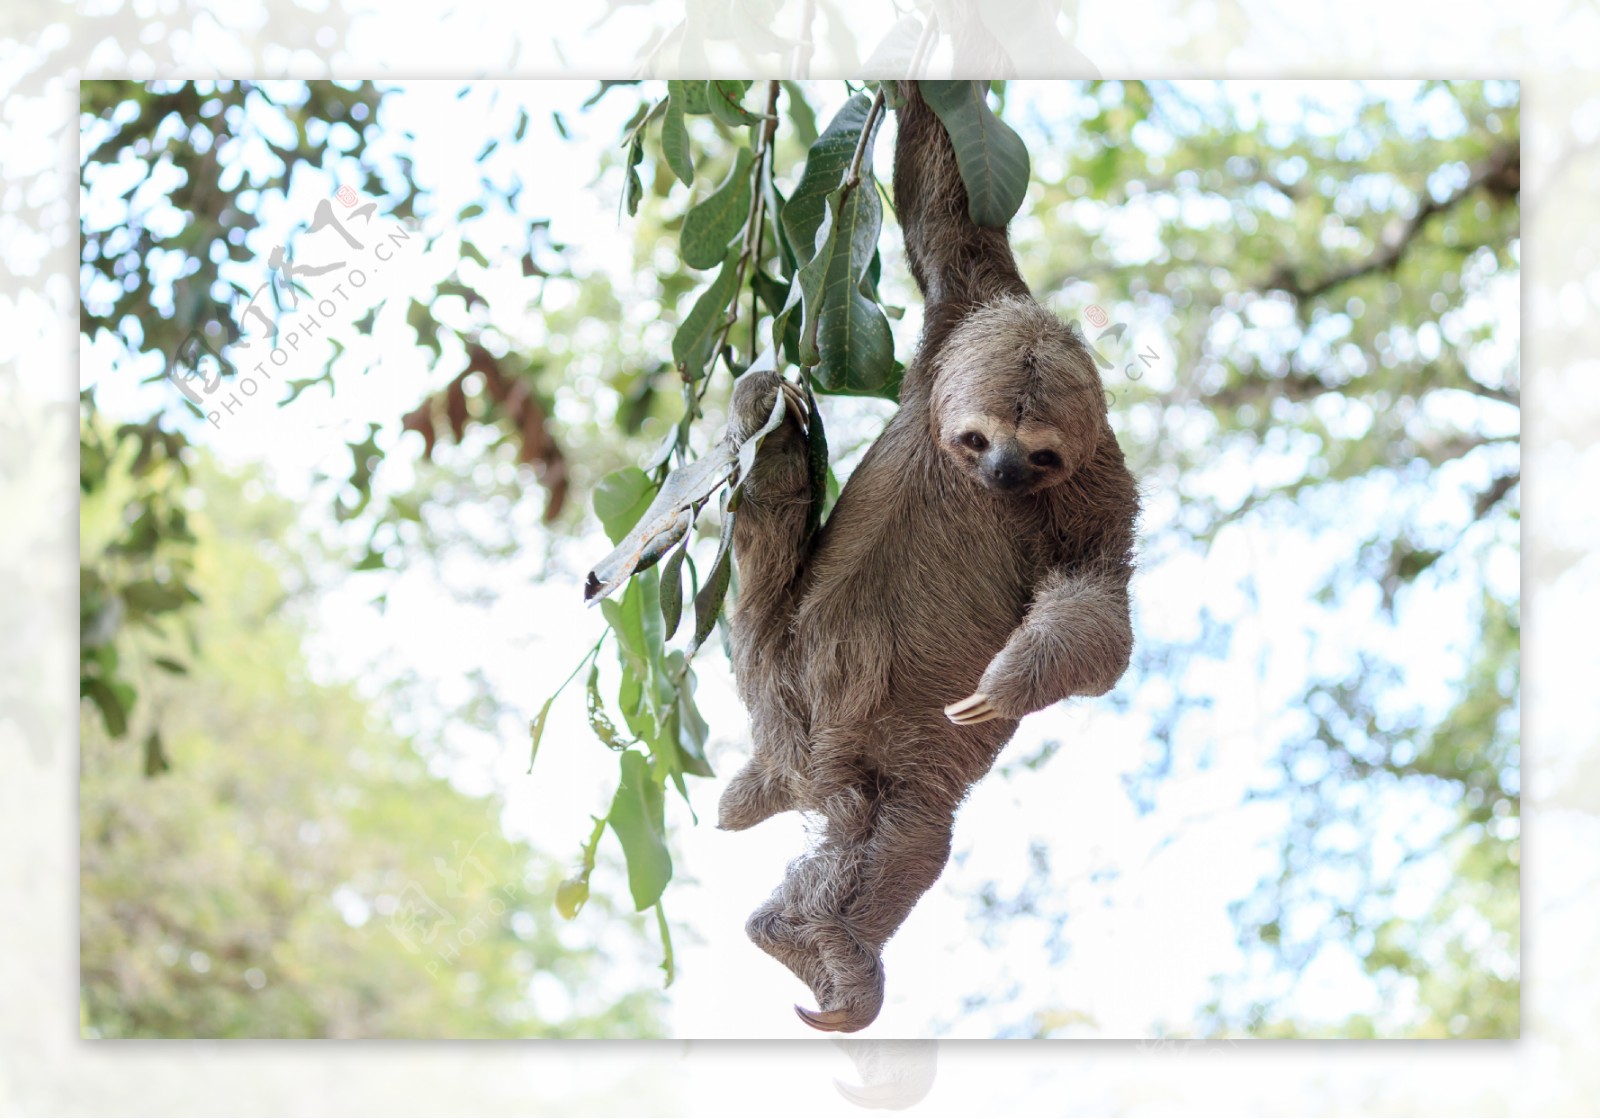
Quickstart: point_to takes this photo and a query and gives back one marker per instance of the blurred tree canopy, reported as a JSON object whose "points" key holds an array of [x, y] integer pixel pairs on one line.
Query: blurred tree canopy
{"points": [[1330, 292], [299, 872]]}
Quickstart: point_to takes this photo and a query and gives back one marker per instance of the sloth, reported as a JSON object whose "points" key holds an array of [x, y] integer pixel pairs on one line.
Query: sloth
{"points": [[974, 569]]}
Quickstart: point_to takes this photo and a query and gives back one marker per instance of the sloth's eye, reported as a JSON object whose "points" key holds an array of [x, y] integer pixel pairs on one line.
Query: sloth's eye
{"points": [[974, 440], [1045, 459]]}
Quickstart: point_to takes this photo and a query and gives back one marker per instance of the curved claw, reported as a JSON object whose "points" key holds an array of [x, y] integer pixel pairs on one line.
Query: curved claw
{"points": [[832, 1020], [795, 402], [974, 709]]}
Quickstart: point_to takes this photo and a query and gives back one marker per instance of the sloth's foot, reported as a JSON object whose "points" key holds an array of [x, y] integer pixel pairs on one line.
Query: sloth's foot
{"points": [[855, 1000], [770, 928], [753, 795], [755, 395]]}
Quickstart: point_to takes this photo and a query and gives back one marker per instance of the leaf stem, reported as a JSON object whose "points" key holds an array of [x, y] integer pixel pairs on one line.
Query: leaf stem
{"points": [[853, 178]]}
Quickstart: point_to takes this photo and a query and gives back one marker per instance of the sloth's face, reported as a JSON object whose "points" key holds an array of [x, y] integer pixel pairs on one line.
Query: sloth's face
{"points": [[1011, 457], [1017, 403]]}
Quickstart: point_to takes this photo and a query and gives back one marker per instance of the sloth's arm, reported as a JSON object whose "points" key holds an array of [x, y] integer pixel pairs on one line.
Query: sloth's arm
{"points": [[769, 526], [957, 263], [1075, 640]]}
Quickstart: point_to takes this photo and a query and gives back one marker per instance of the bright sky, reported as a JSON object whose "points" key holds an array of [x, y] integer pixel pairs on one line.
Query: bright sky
{"points": [[1148, 924]]}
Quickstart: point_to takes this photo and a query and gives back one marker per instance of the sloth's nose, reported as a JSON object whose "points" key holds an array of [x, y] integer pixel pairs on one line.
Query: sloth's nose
{"points": [[1004, 470]]}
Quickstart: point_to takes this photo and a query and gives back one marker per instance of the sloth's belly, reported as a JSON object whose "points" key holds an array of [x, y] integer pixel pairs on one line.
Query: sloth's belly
{"points": [[908, 598]]}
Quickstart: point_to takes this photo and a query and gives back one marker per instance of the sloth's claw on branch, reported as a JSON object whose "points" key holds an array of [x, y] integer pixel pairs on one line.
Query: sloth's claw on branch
{"points": [[974, 709], [823, 1019], [795, 401]]}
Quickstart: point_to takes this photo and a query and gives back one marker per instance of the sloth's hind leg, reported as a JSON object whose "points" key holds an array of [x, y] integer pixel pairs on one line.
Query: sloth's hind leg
{"points": [[875, 882], [775, 931]]}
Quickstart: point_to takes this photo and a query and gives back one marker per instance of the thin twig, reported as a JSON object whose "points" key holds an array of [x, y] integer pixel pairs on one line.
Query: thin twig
{"points": [[758, 206], [853, 178]]}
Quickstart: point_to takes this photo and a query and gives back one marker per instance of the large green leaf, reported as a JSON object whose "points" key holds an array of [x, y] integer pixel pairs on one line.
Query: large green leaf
{"points": [[845, 334], [826, 164], [717, 220], [638, 818], [993, 159]]}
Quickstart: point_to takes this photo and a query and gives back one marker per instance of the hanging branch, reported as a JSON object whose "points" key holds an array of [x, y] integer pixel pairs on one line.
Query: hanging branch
{"points": [[750, 240]]}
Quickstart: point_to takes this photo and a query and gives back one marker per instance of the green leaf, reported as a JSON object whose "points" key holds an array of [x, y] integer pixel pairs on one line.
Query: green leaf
{"points": [[675, 135], [696, 99], [826, 164], [633, 188], [599, 722], [637, 817], [691, 725], [536, 727], [845, 334], [536, 730], [146, 596], [663, 524], [727, 103], [571, 895], [817, 459], [621, 499], [672, 590], [708, 603], [167, 664], [717, 220], [693, 344], [155, 755], [573, 892], [113, 702], [992, 158]]}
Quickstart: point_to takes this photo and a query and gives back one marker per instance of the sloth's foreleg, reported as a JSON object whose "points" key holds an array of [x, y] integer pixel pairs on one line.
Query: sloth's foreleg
{"points": [[1075, 640], [770, 524]]}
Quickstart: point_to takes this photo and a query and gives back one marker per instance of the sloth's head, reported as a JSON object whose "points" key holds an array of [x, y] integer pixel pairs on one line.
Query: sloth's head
{"points": [[1017, 403]]}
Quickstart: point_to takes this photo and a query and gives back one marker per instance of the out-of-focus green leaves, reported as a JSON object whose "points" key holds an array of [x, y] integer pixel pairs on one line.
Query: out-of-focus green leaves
{"points": [[621, 499], [135, 593], [269, 859]]}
